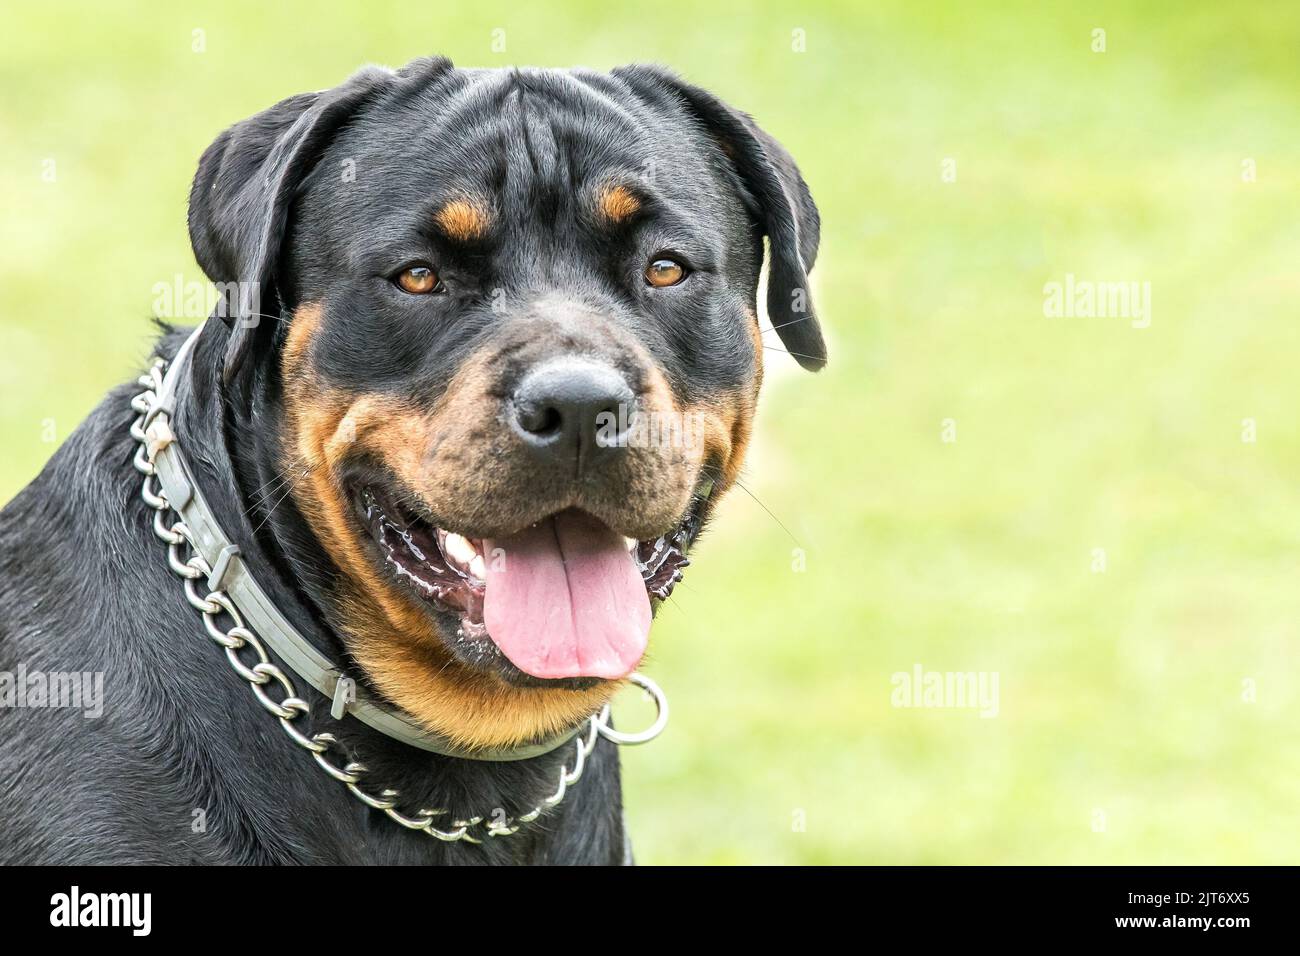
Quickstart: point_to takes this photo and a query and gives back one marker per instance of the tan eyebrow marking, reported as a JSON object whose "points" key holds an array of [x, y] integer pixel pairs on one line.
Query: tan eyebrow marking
{"points": [[617, 203], [463, 219]]}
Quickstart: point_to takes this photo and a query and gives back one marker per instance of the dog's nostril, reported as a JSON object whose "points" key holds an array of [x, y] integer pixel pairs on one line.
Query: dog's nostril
{"points": [[544, 421], [572, 411]]}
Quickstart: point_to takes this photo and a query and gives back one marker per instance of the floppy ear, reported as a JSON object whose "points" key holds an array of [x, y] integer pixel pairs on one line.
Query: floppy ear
{"points": [[246, 182], [777, 197]]}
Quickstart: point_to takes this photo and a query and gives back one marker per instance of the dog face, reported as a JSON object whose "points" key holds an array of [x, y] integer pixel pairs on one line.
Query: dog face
{"points": [[507, 343]]}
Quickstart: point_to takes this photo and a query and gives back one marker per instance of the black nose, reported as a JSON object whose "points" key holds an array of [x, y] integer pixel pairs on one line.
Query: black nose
{"points": [[573, 412]]}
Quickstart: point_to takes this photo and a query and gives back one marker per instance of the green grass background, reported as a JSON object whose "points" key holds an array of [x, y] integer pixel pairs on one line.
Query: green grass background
{"points": [[1123, 735]]}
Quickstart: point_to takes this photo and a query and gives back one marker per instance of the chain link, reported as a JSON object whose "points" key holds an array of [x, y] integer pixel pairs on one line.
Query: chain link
{"points": [[264, 675]]}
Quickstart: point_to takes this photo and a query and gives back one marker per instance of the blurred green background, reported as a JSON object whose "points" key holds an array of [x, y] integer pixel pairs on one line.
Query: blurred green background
{"points": [[1147, 712]]}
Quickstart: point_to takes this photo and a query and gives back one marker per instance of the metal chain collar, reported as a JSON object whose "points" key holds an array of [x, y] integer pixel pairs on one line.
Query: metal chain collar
{"points": [[262, 674]]}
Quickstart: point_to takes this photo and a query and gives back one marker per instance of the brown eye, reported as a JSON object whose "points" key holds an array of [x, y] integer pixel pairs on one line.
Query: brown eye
{"points": [[418, 280], [664, 272]]}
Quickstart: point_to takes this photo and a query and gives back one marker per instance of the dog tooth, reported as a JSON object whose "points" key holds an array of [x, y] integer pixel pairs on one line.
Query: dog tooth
{"points": [[631, 543], [459, 549], [477, 568]]}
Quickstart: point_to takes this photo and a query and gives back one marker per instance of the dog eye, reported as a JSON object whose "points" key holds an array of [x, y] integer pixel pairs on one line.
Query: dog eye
{"points": [[664, 272], [418, 280]]}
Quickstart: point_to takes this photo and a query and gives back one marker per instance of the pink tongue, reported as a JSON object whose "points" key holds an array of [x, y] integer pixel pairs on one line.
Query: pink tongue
{"points": [[565, 599]]}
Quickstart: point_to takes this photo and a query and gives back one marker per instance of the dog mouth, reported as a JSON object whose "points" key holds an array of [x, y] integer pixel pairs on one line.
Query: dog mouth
{"points": [[565, 599]]}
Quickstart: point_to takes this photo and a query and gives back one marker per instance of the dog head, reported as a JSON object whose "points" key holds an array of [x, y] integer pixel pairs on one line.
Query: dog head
{"points": [[505, 341]]}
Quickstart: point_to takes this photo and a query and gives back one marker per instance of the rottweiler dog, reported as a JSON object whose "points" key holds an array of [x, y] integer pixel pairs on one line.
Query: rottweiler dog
{"points": [[486, 356]]}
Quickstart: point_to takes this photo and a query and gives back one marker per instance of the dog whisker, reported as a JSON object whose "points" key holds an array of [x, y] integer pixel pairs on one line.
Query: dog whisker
{"points": [[785, 325], [268, 488], [288, 490], [745, 488], [815, 358], [265, 315]]}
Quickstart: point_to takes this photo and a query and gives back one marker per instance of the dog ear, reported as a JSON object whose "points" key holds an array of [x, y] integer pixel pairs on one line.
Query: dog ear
{"points": [[777, 197], [244, 188]]}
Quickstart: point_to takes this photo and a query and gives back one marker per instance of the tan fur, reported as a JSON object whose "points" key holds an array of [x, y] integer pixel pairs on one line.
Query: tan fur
{"points": [[727, 421], [729, 418], [463, 219], [387, 631], [617, 203]]}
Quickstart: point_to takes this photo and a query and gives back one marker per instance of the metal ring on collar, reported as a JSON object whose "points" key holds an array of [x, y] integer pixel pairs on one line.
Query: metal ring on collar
{"points": [[644, 736]]}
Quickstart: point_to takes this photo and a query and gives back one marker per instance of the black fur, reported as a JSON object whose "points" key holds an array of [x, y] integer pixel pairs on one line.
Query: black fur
{"points": [[84, 583]]}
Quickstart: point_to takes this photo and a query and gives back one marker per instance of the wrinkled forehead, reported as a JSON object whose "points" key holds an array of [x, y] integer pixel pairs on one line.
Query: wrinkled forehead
{"points": [[526, 146]]}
